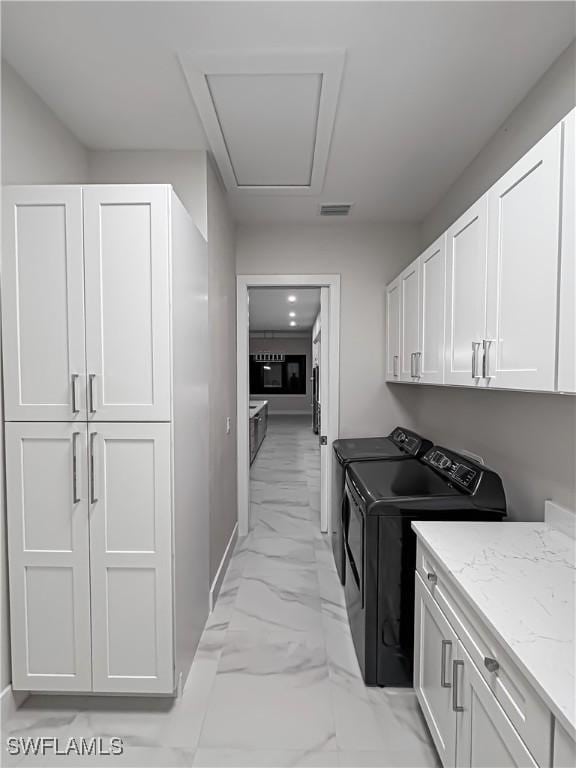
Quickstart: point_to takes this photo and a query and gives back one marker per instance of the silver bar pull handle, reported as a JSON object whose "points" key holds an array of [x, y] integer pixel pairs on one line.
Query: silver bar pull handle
{"points": [[491, 664], [395, 365], [418, 364], [75, 498], [74, 401], [443, 682], [475, 348], [91, 379], [412, 366], [486, 343], [93, 498], [455, 706]]}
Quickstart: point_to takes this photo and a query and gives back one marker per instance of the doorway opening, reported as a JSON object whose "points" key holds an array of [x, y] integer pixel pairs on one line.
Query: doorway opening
{"points": [[288, 391]]}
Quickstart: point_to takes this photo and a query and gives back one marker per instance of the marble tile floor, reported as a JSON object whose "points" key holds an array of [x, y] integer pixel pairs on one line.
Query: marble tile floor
{"points": [[275, 680]]}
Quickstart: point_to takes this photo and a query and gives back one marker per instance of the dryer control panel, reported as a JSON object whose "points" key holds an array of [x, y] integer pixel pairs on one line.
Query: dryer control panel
{"points": [[409, 442]]}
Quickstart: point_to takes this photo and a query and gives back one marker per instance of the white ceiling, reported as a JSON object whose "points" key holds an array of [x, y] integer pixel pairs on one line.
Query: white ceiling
{"points": [[269, 308], [425, 83]]}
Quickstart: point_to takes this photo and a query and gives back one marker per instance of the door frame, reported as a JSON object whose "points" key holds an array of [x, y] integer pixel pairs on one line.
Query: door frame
{"points": [[243, 283]]}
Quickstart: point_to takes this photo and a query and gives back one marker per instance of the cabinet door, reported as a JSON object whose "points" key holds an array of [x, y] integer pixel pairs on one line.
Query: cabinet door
{"points": [[433, 292], [130, 557], [126, 235], [393, 331], [567, 317], [523, 243], [466, 276], [435, 646], [485, 737], [48, 556], [410, 322], [43, 304]]}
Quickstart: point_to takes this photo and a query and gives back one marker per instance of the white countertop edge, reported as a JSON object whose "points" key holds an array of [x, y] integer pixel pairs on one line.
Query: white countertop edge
{"points": [[257, 407], [559, 714]]}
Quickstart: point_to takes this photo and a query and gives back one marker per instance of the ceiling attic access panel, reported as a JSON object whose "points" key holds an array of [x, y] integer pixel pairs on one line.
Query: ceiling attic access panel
{"points": [[269, 124], [269, 117]]}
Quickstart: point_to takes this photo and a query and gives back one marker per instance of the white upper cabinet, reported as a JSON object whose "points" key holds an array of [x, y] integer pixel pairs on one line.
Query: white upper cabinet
{"points": [[126, 235], [433, 300], [393, 331], [43, 304], [523, 246], [466, 283], [410, 354], [567, 316], [130, 557], [48, 556]]}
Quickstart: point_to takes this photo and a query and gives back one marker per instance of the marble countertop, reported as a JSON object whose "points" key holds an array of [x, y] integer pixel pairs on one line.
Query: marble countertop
{"points": [[521, 578]]}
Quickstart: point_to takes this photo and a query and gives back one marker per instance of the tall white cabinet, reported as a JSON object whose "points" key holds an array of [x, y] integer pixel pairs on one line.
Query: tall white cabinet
{"points": [[104, 323]]}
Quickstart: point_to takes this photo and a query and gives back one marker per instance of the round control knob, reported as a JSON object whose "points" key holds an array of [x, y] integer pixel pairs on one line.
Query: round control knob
{"points": [[445, 463], [400, 437]]}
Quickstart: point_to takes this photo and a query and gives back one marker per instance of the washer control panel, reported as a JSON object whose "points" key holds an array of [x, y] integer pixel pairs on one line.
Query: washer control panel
{"points": [[453, 467]]}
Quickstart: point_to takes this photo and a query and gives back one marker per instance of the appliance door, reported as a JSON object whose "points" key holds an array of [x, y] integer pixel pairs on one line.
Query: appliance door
{"points": [[396, 566], [354, 547], [354, 534], [339, 519]]}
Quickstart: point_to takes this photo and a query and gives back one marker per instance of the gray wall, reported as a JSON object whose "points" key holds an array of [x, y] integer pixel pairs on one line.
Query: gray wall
{"points": [[36, 149], [222, 322], [295, 345], [367, 257], [185, 170], [528, 438]]}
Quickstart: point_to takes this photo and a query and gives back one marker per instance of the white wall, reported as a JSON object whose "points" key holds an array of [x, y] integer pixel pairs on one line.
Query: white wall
{"points": [[366, 257], [36, 149], [528, 438], [185, 170], [295, 345]]}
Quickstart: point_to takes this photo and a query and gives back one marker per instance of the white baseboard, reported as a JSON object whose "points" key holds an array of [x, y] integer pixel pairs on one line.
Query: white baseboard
{"points": [[222, 568], [10, 701]]}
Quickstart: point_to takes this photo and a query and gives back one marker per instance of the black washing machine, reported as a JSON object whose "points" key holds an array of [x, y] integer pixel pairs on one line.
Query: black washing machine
{"points": [[380, 547], [400, 444]]}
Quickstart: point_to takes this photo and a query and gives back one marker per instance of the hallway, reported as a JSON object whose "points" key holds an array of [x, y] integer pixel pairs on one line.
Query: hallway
{"points": [[275, 680]]}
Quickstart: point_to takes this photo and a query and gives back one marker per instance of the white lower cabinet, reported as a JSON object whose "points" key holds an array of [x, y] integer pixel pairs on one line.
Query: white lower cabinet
{"points": [[485, 737], [90, 556], [469, 727], [435, 644], [130, 557], [48, 547]]}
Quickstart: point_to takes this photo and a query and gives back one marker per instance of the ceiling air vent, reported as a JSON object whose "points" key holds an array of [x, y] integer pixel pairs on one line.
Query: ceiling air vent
{"points": [[335, 210]]}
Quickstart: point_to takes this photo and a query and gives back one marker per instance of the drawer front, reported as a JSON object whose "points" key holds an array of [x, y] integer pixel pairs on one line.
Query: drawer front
{"points": [[528, 713]]}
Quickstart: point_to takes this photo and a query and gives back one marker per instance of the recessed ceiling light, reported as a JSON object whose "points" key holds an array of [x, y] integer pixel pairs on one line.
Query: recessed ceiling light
{"points": [[291, 299], [292, 322], [291, 314]]}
